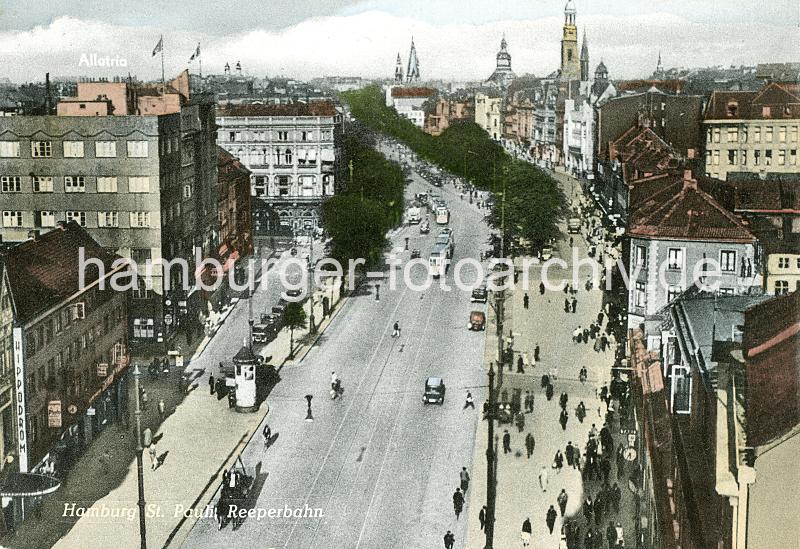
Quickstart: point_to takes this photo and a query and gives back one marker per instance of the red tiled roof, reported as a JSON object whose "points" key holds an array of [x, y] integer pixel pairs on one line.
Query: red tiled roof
{"points": [[314, 108], [642, 153], [689, 214], [749, 104], [413, 92], [44, 272], [778, 193]]}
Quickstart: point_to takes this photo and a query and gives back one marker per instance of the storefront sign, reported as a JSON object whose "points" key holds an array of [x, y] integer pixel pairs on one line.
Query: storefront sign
{"points": [[54, 413], [22, 427], [90, 411], [102, 369]]}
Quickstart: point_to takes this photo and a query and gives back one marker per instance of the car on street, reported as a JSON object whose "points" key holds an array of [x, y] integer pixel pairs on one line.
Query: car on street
{"points": [[264, 333], [414, 253], [434, 391], [574, 225], [424, 227], [479, 294], [477, 321], [294, 292], [280, 308]]}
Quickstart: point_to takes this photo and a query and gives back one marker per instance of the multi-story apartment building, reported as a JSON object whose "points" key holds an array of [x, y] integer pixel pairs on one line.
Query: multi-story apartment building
{"points": [[446, 112], [752, 131], [409, 102], [487, 114], [235, 214], [144, 186], [671, 234], [68, 333], [292, 152], [544, 122]]}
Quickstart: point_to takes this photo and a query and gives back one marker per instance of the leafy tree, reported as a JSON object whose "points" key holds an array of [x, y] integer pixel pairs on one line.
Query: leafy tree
{"points": [[294, 318]]}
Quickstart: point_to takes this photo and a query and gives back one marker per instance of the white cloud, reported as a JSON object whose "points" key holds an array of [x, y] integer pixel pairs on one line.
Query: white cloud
{"points": [[367, 43]]}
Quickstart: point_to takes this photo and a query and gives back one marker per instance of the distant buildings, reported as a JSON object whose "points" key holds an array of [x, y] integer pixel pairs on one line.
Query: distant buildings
{"points": [[446, 112], [293, 152], [143, 185], [409, 102], [488, 113], [752, 131]]}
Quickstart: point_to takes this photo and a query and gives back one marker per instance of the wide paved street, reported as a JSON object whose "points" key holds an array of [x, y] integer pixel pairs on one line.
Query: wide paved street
{"points": [[378, 465]]}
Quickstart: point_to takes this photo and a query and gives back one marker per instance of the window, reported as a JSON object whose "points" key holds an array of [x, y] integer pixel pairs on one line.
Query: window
{"points": [[781, 157], [105, 149], [766, 112], [733, 135], [725, 291], [283, 185], [10, 183], [137, 149], [639, 296], [307, 136], [681, 390], [732, 157], [141, 256], [793, 133], [12, 218], [44, 219], [783, 262], [756, 157], [139, 184], [733, 108], [781, 287], [73, 149], [641, 255], [793, 157], [42, 184], [283, 136], [41, 149], [140, 219], [187, 191], [108, 219], [757, 135], [143, 328], [231, 136], [715, 157], [9, 149], [287, 156], [260, 186], [74, 184], [782, 134], [727, 261], [106, 184], [708, 135], [79, 217], [675, 259], [673, 292], [744, 135], [768, 134], [743, 156], [768, 157], [716, 135]]}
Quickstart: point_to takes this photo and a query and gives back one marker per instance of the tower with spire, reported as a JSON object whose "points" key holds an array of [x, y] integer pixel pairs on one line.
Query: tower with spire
{"points": [[412, 71], [502, 75], [570, 63], [659, 67], [584, 59], [398, 70]]}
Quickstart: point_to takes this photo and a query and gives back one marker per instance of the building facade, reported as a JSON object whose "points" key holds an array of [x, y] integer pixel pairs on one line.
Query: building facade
{"points": [[234, 208], [752, 131], [292, 152], [488, 114], [144, 186], [570, 60]]}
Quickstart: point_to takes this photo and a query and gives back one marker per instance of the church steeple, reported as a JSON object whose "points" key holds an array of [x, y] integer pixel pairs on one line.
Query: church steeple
{"points": [[585, 58], [412, 72], [659, 66], [398, 70], [570, 63]]}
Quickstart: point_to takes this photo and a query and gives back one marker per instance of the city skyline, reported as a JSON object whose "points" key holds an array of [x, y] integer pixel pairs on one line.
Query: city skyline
{"points": [[363, 38]]}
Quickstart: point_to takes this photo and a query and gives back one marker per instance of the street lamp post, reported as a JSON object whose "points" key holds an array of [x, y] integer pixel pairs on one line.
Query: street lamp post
{"points": [[313, 326], [139, 451], [491, 479]]}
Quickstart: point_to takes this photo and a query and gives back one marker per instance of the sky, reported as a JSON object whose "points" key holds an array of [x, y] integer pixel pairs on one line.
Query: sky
{"points": [[455, 39]]}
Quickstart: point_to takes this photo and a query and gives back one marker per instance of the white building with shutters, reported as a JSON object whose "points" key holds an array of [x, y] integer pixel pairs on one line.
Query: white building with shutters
{"points": [[292, 151]]}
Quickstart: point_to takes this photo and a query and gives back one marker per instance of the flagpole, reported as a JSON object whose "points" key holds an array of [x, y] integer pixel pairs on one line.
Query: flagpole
{"points": [[163, 81]]}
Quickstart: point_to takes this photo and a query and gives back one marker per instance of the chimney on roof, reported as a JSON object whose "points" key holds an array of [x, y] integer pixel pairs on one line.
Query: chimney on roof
{"points": [[688, 181], [33, 235]]}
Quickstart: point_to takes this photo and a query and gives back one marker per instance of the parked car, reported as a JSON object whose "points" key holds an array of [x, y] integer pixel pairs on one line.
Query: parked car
{"points": [[280, 308], [477, 321], [434, 391], [264, 333], [479, 294]]}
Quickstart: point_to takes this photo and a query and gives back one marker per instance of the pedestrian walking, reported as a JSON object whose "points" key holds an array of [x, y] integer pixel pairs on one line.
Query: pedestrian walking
{"points": [[211, 387], [605, 468], [520, 422], [458, 502], [541, 288], [616, 497], [162, 409], [145, 399], [569, 452], [525, 301], [520, 364], [506, 442], [530, 444], [396, 329], [588, 508], [558, 461], [482, 517], [574, 304], [548, 392], [620, 462], [469, 403], [153, 456], [562, 419], [267, 433], [536, 353], [611, 535], [583, 374], [449, 540], [551, 518], [580, 411], [562, 400], [526, 532], [543, 480], [562, 501], [464, 477], [566, 305]]}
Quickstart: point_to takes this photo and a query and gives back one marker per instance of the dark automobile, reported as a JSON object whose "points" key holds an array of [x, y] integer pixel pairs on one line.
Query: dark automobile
{"points": [[414, 253], [264, 333], [479, 294], [434, 391], [294, 292], [477, 321]]}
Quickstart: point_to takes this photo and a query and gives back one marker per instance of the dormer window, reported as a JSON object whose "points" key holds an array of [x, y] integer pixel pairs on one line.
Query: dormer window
{"points": [[733, 108], [766, 112]]}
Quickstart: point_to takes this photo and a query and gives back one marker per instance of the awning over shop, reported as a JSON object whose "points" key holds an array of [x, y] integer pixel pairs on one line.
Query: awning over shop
{"points": [[28, 484]]}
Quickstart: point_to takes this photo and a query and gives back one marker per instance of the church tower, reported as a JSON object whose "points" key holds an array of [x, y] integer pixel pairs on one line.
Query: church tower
{"points": [[398, 70], [659, 67], [570, 63], [584, 59], [412, 72]]}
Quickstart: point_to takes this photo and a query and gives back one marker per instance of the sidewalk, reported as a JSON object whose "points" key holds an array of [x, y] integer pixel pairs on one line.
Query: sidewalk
{"points": [[519, 495], [188, 474]]}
